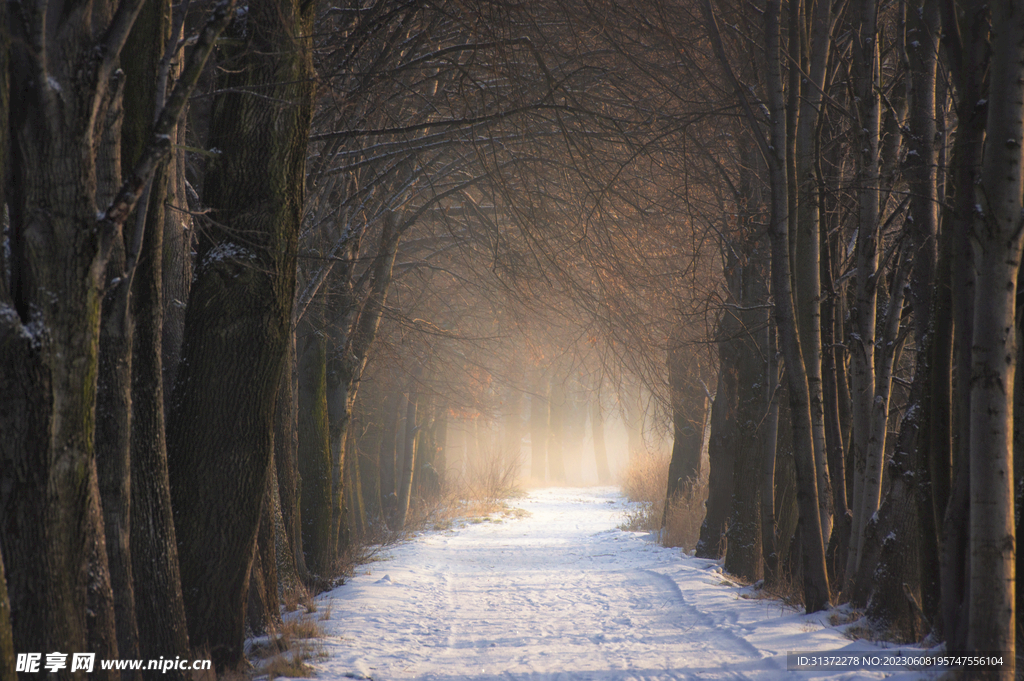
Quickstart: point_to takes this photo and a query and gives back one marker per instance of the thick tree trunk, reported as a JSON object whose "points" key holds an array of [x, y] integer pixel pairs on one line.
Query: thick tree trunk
{"points": [[688, 407], [220, 434], [7, 664], [967, 55], [998, 238], [721, 461], [51, 526]]}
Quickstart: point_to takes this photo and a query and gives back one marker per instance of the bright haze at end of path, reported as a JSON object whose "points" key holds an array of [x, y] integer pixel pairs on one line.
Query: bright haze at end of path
{"points": [[561, 593]]}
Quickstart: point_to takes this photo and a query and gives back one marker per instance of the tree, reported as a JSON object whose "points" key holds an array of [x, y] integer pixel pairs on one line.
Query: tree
{"points": [[238, 318], [68, 211], [998, 237]]}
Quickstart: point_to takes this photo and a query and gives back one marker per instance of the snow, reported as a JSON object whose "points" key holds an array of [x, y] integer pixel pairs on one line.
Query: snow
{"points": [[557, 591]]}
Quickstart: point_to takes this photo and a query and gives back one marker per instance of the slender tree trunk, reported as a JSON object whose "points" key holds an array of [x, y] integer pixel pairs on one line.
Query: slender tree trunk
{"points": [[806, 264], [264, 608], [862, 313], [285, 458], [409, 456], [815, 586], [922, 160], [113, 447], [539, 425], [389, 476], [769, 440], [314, 454], [604, 474], [557, 406]]}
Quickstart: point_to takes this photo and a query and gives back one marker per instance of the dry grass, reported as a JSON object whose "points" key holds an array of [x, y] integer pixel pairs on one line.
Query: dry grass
{"points": [[287, 653], [482, 492], [645, 478], [295, 596], [644, 482], [685, 515]]}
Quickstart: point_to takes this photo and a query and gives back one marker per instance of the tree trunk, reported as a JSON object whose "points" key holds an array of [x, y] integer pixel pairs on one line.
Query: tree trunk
{"points": [[967, 56], [264, 607], [408, 456], [557, 406], [285, 458], [688, 406], [998, 237], [806, 264], [862, 313], [815, 578], [539, 426], [221, 430], [721, 461], [604, 475], [389, 476], [7, 665], [922, 161], [113, 447], [314, 454], [51, 526]]}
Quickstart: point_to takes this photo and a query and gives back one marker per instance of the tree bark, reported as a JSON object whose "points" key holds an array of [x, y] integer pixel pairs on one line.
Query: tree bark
{"points": [[815, 578], [314, 453], [998, 237], [688, 406], [806, 264], [721, 462], [408, 454], [220, 434], [7, 664], [967, 54], [867, 129], [61, 156]]}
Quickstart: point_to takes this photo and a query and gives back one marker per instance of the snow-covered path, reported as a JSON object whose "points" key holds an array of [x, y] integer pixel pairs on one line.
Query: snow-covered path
{"points": [[560, 594]]}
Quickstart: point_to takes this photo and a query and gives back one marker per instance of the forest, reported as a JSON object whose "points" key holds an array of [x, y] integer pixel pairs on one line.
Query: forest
{"points": [[275, 273]]}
